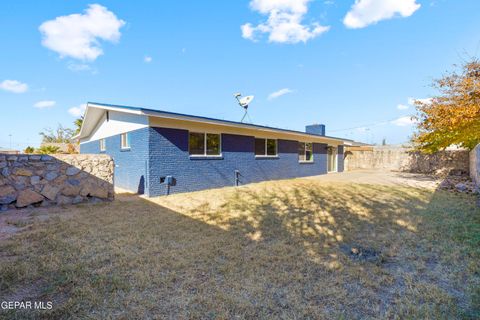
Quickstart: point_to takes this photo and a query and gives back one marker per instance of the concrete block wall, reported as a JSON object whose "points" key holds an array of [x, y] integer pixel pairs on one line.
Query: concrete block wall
{"points": [[44, 180], [475, 165], [169, 156], [402, 159]]}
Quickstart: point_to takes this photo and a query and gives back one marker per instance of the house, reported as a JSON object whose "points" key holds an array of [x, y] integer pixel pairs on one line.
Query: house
{"points": [[158, 152]]}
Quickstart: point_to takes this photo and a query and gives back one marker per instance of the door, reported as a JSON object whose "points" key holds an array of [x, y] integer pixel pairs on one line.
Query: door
{"points": [[332, 159]]}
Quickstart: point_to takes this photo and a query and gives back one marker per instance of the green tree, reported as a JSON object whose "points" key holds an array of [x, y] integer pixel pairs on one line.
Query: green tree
{"points": [[29, 150], [78, 125], [60, 135]]}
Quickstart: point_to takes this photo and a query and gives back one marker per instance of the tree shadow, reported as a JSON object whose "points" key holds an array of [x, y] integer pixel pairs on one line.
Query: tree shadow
{"points": [[271, 250], [392, 226]]}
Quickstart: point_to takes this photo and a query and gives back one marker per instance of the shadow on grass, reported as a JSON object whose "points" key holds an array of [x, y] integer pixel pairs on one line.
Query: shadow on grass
{"points": [[266, 251]]}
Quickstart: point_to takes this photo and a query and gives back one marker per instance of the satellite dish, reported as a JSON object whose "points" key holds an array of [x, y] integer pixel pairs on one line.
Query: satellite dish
{"points": [[243, 102]]}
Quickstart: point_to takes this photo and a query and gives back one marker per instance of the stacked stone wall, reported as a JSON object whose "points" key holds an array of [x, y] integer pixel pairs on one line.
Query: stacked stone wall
{"points": [[46, 180]]}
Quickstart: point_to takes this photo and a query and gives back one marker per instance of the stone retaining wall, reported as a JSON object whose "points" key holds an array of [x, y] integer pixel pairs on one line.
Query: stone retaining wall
{"points": [[401, 159], [45, 180], [475, 165]]}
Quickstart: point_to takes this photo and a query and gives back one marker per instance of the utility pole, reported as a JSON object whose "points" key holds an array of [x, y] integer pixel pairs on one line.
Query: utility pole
{"points": [[10, 135]]}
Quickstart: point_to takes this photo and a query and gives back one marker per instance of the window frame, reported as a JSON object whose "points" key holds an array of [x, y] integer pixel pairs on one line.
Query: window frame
{"points": [[103, 145], [305, 152], [205, 146], [125, 143], [266, 155]]}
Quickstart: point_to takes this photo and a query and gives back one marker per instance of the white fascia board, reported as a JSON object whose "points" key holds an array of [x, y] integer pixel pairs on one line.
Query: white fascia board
{"points": [[113, 108]]}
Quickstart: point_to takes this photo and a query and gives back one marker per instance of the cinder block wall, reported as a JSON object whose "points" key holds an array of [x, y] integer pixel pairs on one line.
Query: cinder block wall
{"points": [[169, 156], [475, 165], [44, 180], [402, 159]]}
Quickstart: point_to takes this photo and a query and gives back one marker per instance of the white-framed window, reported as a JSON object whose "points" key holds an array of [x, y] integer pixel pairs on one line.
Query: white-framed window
{"points": [[266, 147], [125, 140], [102, 145], [204, 144], [305, 152]]}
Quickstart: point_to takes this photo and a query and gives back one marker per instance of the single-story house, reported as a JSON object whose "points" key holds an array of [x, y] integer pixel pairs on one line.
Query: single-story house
{"points": [[158, 152]]}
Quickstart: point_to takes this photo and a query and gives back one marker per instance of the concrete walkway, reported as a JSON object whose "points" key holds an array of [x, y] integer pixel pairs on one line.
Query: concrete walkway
{"points": [[381, 177]]}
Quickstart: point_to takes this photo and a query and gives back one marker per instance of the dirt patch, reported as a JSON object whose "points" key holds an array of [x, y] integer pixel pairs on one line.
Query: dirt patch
{"points": [[16, 221], [359, 253]]}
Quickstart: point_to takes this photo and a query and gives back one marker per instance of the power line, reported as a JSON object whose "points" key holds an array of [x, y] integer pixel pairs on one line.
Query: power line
{"points": [[378, 123]]}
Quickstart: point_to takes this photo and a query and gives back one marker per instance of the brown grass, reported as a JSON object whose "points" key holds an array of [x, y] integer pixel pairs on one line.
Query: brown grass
{"points": [[275, 249]]}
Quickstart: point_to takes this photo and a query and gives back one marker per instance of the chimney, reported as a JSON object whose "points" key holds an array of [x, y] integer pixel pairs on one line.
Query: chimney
{"points": [[318, 129]]}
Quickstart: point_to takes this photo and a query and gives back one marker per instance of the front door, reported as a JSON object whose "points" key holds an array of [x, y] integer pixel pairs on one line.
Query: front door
{"points": [[332, 159]]}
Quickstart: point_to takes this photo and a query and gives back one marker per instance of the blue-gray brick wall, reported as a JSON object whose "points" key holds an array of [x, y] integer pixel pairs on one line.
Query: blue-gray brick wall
{"points": [[169, 156], [341, 159], [161, 152], [131, 166]]}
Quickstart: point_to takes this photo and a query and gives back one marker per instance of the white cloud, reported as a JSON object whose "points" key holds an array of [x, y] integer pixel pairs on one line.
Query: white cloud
{"points": [[411, 101], [147, 59], [79, 67], [13, 86], [44, 104], [402, 107], [404, 121], [279, 93], [77, 35], [284, 23], [366, 12], [77, 111]]}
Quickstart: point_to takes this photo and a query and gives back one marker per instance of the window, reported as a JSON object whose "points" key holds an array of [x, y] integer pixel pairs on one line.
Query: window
{"points": [[102, 145], [213, 144], [196, 143], [305, 152], [125, 137], [204, 144], [265, 147]]}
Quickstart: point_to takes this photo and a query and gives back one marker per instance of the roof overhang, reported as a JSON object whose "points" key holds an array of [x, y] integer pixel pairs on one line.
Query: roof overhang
{"points": [[94, 112]]}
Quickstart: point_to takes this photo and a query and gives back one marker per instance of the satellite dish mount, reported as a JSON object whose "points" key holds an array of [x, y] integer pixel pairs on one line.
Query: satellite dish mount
{"points": [[244, 102]]}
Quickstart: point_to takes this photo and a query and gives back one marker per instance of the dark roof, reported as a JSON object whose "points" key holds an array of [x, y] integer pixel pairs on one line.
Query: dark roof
{"points": [[147, 110]]}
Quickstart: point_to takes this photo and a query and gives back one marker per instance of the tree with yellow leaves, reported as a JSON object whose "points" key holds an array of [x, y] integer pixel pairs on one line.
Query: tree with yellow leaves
{"points": [[452, 117]]}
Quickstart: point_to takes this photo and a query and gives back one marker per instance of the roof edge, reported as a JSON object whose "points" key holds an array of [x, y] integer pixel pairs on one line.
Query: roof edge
{"points": [[160, 113]]}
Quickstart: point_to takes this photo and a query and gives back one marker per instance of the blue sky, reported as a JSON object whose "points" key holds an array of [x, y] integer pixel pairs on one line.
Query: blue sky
{"points": [[347, 64]]}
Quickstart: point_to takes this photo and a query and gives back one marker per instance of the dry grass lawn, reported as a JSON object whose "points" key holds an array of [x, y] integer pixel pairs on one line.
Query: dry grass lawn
{"points": [[290, 249]]}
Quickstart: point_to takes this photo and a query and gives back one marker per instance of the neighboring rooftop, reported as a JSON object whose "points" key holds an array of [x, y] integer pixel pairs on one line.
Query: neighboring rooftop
{"points": [[9, 151]]}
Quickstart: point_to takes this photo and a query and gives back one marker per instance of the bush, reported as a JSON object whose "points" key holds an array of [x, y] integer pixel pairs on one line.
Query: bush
{"points": [[48, 150]]}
